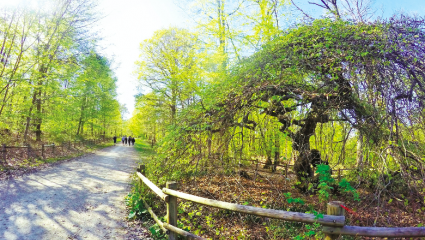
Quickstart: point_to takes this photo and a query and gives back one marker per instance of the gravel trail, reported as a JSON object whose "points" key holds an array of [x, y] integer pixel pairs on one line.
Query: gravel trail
{"points": [[80, 199]]}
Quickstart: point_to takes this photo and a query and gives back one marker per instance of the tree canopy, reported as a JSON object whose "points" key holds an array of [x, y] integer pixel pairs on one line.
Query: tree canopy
{"points": [[52, 80], [363, 76], [369, 75]]}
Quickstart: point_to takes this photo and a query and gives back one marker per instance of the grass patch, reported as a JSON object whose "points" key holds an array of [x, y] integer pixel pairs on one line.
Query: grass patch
{"points": [[144, 148]]}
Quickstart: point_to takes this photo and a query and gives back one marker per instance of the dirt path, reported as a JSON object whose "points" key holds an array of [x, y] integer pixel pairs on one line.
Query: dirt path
{"points": [[81, 199]]}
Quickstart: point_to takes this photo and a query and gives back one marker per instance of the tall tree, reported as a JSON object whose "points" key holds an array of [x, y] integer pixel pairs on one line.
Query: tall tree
{"points": [[171, 67]]}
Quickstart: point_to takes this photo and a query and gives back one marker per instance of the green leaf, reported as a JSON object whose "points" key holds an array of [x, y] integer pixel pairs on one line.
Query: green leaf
{"points": [[131, 215]]}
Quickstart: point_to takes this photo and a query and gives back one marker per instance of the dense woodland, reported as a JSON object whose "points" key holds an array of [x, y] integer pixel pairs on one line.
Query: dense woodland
{"points": [[263, 81], [54, 85]]}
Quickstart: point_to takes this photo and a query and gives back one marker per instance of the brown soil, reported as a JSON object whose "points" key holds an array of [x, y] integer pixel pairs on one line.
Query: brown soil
{"points": [[268, 192], [20, 161]]}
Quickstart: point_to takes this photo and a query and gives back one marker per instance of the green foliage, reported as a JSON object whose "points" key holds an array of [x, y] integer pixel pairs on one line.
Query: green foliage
{"points": [[325, 182], [135, 204], [157, 232], [311, 231], [346, 187], [293, 200], [291, 230]]}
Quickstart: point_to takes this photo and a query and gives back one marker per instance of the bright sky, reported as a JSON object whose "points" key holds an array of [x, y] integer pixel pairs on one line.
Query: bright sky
{"points": [[128, 22], [126, 25]]}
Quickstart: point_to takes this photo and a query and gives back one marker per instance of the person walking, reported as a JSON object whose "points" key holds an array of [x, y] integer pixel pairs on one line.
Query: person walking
{"points": [[133, 140], [125, 140], [129, 141], [115, 140], [122, 140]]}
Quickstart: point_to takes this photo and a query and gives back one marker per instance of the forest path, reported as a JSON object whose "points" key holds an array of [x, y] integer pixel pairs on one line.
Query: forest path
{"points": [[80, 199]]}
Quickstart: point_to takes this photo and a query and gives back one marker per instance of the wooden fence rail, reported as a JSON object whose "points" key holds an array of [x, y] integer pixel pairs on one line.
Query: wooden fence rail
{"points": [[333, 222], [327, 220]]}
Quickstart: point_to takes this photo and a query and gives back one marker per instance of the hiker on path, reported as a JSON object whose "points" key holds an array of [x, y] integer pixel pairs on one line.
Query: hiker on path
{"points": [[115, 140], [122, 140], [125, 140], [129, 140], [133, 140]]}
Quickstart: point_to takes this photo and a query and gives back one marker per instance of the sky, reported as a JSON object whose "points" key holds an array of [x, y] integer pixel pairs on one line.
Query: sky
{"points": [[126, 23]]}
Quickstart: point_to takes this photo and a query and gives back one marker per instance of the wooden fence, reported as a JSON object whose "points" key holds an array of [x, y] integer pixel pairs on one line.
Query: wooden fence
{"points": [[333, 223], [44, 148]]}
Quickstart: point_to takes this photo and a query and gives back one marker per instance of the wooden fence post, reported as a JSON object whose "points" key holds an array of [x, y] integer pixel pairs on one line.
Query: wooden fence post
{"points": [[42, 150], [172, 210], [53, 149], [142, 169], [334, 208], [3, 148]]}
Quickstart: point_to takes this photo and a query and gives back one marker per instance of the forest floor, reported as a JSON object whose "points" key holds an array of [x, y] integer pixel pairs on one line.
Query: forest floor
{"points": [[18, 164], [79, 199], [273, 190]]}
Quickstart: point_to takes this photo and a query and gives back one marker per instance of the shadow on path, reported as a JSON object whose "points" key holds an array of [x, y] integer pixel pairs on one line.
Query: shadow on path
{"points": [[81, 199]]}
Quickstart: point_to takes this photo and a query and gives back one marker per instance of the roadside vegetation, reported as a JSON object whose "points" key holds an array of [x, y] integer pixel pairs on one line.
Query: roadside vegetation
{"points": [[54, 85]]}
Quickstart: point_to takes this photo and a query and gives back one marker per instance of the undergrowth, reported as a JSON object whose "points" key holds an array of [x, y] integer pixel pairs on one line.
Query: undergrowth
{"points": [[224, 224]]}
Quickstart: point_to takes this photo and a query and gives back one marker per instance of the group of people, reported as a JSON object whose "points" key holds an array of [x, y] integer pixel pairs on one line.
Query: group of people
{"points": [[130, 140], [125, 140]]}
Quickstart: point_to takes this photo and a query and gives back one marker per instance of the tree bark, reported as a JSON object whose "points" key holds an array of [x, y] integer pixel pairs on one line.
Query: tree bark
{"points": [[81, 122], [276, 151], [27, 125], [359, 150]]}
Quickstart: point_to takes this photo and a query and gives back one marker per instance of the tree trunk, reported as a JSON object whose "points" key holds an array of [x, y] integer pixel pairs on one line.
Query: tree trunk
{"points": [[222, 32], [209, 143], [38, 119], [301, 143], [276, 151], [27, 125], [359, 151], [173, 113], [80, 122]]}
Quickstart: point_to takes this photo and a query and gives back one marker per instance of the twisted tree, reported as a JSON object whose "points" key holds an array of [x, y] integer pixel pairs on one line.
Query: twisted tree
{"points": [[369, 75]]}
